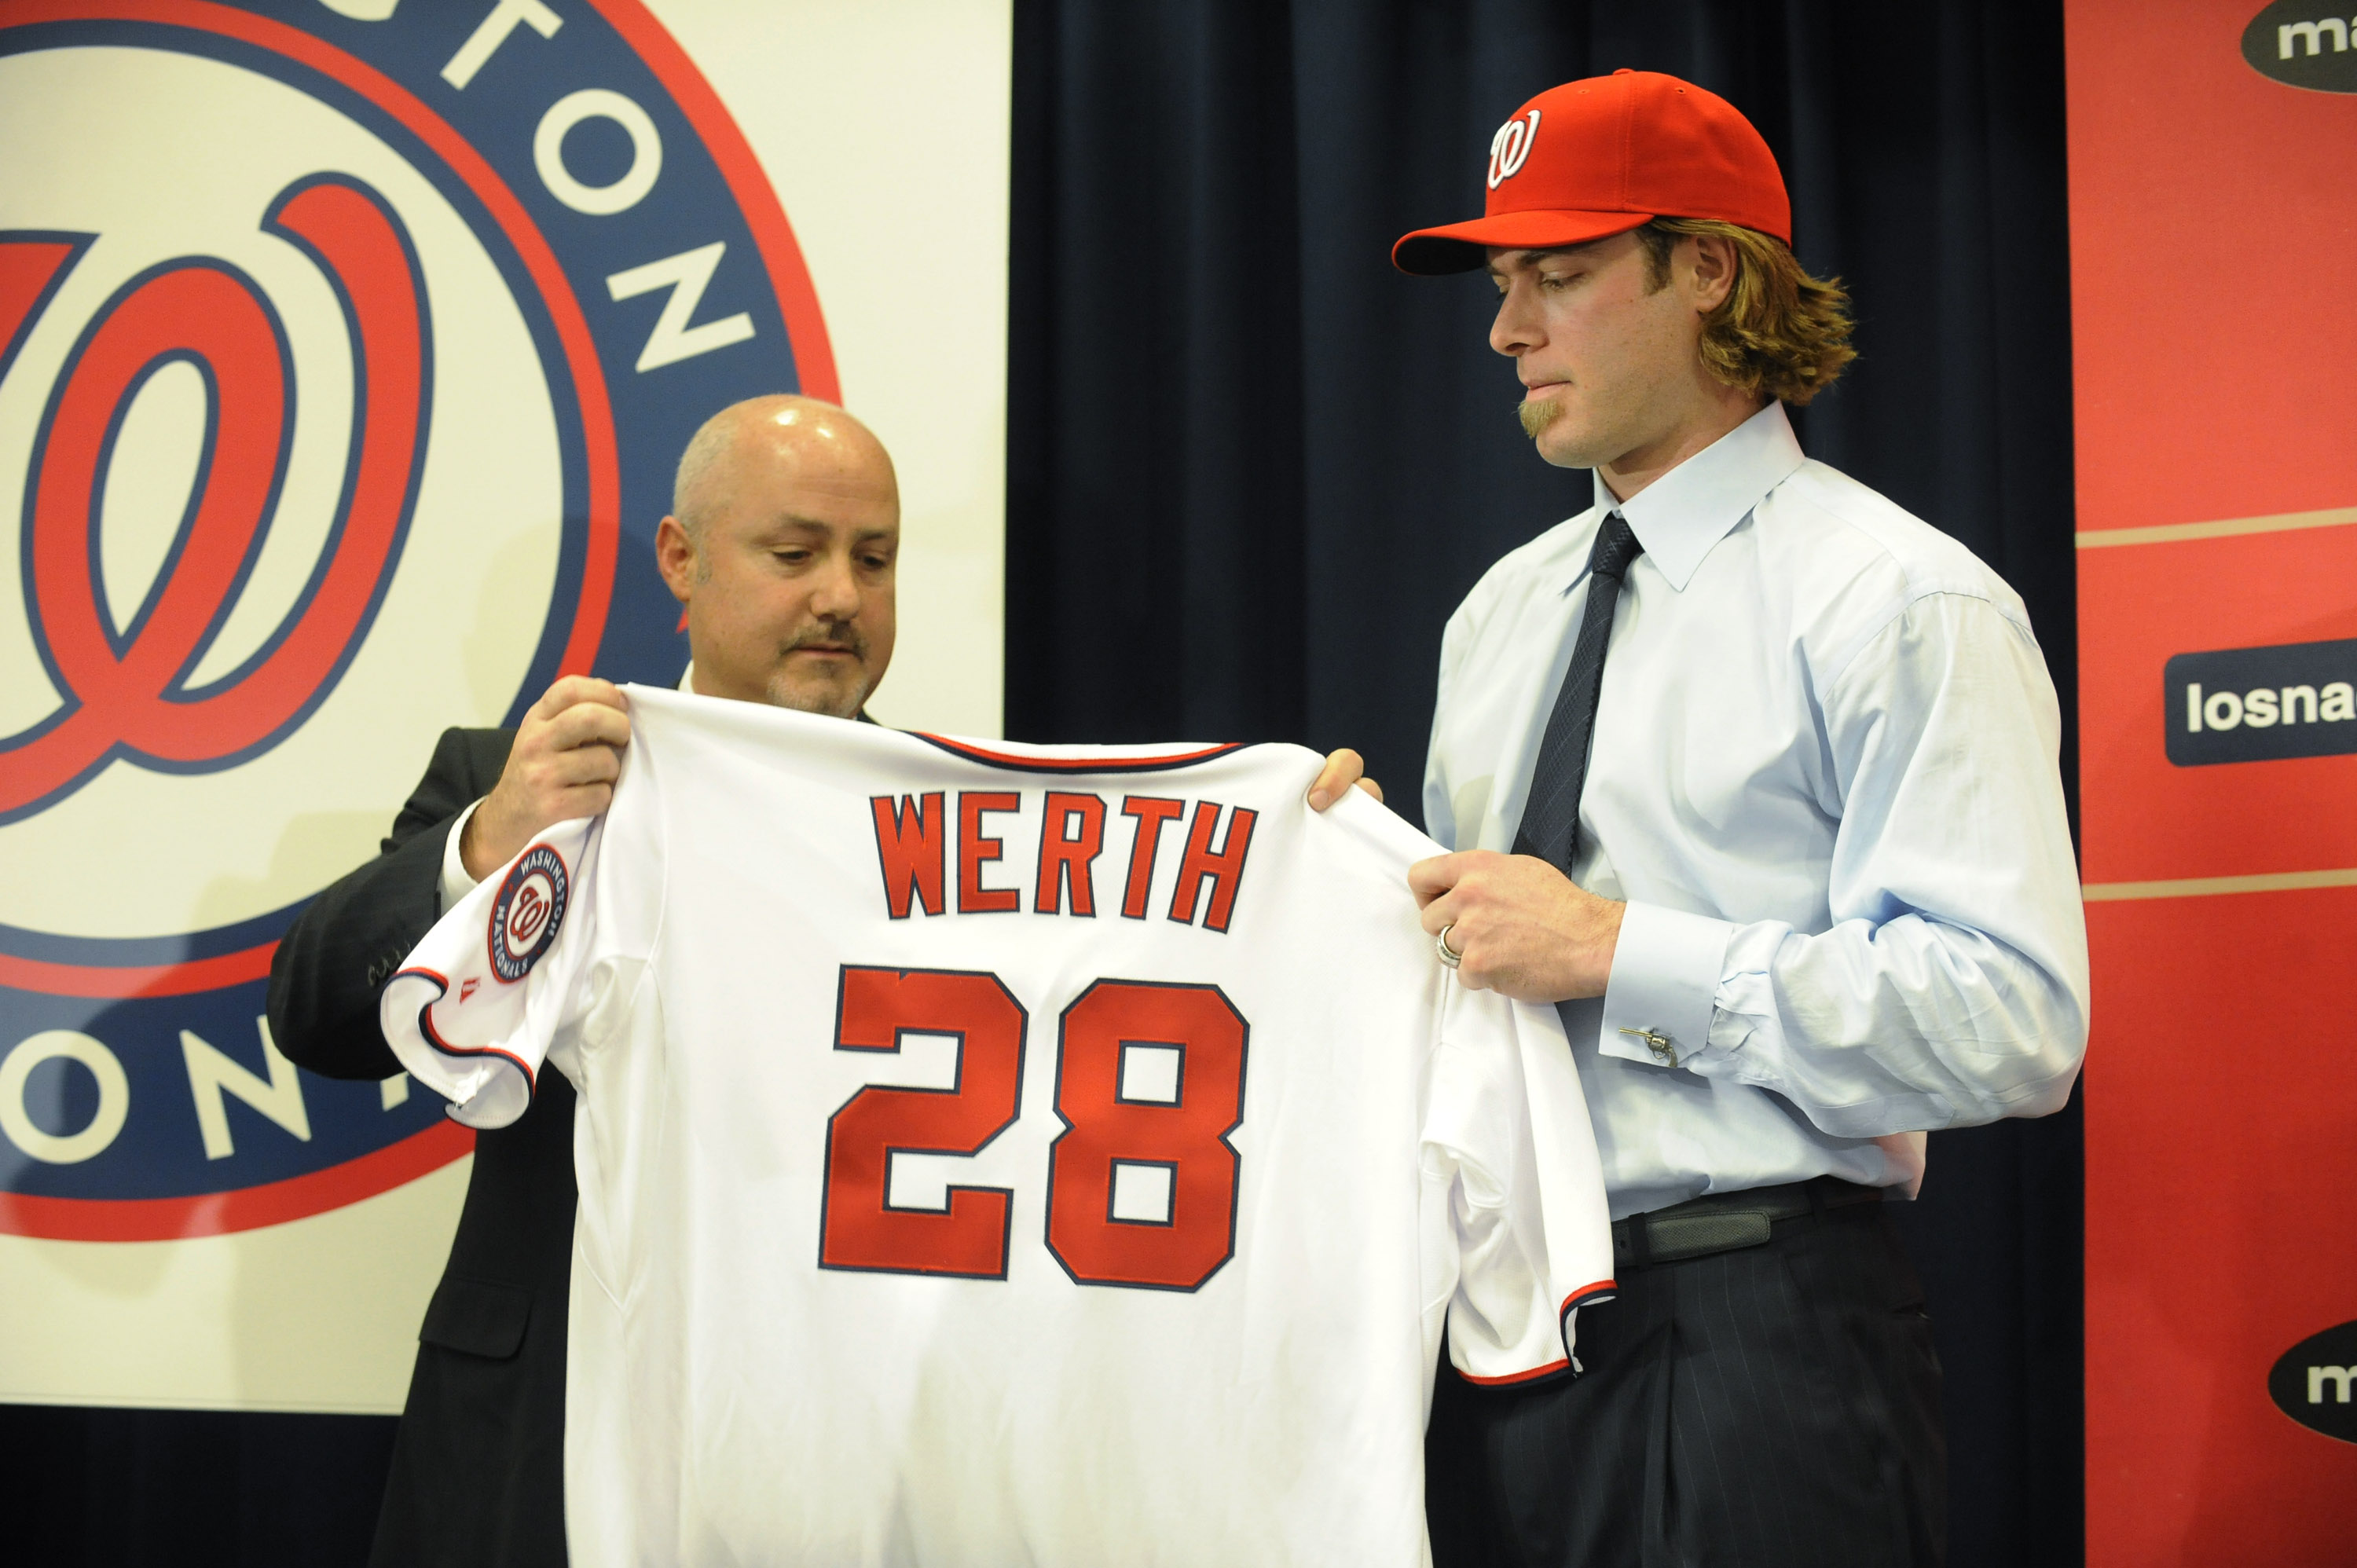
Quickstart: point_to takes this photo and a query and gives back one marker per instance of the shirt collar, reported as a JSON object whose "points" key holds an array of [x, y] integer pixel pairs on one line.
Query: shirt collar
{"points": [[1682, 514]]}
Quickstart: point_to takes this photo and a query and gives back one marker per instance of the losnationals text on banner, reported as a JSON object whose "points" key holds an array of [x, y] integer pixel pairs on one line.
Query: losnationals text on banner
{"points": [[346, 352]]}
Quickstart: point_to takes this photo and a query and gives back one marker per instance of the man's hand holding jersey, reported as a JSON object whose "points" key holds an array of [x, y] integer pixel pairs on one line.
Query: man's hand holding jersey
{"points": [[1522, 926], [568, 752], [1342, 769]]}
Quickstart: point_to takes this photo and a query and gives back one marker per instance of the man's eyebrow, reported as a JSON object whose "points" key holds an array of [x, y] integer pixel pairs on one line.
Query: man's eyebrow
{"points": [[1534, 252], [794, 523]]}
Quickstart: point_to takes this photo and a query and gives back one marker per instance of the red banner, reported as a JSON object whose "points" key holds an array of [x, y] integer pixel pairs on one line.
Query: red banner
{"points": [[2213, 216]]}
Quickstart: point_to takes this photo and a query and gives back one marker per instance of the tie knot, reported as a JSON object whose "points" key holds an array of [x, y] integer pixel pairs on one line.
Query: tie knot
{"points": [[1616, 545]]}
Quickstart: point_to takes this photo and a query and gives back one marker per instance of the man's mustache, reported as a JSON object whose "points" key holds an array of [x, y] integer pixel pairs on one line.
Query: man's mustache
{"points": [[846, 637]]}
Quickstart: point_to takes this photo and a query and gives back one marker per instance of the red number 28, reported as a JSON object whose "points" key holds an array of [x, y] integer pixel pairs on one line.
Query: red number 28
{"points": [[1180, 1138], [1142, 1182], [859, 1228]]}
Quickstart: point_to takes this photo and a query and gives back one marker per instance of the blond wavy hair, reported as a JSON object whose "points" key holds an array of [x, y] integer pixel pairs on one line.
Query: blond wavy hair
{"points": [[1779, 331]]}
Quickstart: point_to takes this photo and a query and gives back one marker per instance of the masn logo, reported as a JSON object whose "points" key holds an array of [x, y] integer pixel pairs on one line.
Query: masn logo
{"points": [[2261, 704], [2311, 1383], [2301, 43]]}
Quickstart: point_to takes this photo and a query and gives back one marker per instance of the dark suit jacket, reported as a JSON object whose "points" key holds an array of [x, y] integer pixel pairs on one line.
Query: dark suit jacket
{"points": [[478, 1468]]}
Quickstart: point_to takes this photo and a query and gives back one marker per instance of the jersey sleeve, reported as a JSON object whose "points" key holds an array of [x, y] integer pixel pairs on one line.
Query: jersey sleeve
{"points": [[1508, 1143], [475, 1009]]}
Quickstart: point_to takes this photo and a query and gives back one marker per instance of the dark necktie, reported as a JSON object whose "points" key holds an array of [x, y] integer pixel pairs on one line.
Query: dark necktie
{"points": [[1550, 827]]}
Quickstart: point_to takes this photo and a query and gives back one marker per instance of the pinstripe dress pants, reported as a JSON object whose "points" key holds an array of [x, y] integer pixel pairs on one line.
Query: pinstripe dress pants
{"points": [[1773, 1407]]}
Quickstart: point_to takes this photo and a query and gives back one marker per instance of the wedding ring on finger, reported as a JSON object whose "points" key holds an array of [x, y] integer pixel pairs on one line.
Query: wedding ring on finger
{"points": [[1448, 955]]}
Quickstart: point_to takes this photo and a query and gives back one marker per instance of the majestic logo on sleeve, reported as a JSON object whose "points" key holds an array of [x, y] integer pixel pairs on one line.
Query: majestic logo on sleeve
{"points": [[346, 350], [527, 912]]}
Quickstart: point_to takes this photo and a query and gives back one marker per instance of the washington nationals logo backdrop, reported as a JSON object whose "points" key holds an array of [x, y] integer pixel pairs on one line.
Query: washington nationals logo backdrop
{"points": [[346, 350]]}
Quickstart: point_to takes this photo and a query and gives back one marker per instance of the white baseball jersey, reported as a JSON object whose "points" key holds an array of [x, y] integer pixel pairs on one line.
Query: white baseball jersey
{"points": [[1005, 1155]]}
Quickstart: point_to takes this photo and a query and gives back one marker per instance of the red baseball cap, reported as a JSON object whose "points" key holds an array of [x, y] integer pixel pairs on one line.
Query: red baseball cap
{"points": [[1601, 156]]}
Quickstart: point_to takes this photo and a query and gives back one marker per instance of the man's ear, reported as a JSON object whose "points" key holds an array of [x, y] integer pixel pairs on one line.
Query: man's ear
{"points": [[1715, 266], [674, 556]]}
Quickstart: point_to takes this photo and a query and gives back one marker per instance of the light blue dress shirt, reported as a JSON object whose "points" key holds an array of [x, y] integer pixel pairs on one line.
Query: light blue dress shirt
{"points": [[1824, 779]]}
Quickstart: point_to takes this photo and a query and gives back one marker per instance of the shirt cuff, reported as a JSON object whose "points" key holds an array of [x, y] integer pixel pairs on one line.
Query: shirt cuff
{"points": [[1747, 989], [1664, 984], [456, 882]]}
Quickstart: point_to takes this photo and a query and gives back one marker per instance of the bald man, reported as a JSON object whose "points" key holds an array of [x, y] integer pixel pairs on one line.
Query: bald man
{"points": [[784, 527]]}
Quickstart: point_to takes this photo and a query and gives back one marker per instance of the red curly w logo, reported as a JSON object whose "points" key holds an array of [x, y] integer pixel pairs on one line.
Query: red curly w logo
{"points": [[124, 678]]}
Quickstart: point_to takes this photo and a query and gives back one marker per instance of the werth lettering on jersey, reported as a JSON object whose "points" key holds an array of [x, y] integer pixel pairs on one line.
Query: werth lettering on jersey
{"points": [[913, 851], [1099, 1221]]}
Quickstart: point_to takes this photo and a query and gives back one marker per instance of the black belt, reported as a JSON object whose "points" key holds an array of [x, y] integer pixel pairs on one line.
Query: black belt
{"points": [[1724, 1221]]}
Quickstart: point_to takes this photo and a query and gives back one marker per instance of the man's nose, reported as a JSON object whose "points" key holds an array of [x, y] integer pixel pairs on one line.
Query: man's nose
{"points": [[1514, 331], [835, 595]]}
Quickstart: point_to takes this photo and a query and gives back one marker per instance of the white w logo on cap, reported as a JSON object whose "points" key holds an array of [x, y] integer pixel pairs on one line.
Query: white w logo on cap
{"points": [[1510, 146]]}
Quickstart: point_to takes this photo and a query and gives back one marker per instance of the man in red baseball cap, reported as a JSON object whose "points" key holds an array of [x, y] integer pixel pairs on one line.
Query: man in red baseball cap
{"points": [[1754, 776]]}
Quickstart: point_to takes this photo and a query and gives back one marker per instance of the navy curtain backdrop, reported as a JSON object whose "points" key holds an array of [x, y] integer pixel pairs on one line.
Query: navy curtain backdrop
{"points": [[1250, 470]]}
